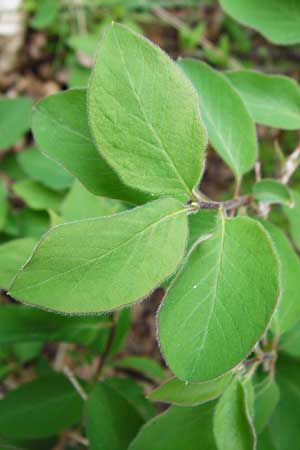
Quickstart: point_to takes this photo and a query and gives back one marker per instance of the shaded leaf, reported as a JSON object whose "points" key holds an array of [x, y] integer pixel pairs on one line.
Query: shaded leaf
{"points": [[272, 191], [14, 120]]}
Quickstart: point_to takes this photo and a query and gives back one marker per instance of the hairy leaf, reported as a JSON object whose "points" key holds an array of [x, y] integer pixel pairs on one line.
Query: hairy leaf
{"points": [[221, 302], [101, 264], [231, 130], [135, 94], [272, 100]]}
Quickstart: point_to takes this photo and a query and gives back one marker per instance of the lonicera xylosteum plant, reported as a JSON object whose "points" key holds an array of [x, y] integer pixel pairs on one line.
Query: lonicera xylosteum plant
{"points": [[138, 135]]}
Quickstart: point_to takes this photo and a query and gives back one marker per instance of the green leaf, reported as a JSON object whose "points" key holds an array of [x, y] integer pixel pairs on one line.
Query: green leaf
{"points": [[177, 429], [40, 168], [13, 255], [221, 301], [37, 196], [272, 191], [288, 311], [272, 100], [3, 205], [14, 120], [265, 440], [41, 408], [134, 393], [134, 97], [32, 223], [74, 264], [231, 130], [233, 428], [27, 351], [278, 21], [23, 324], [189, 394], [65, 138], [82, 204], [147, 366], [285, 422], [85, 43], [112, 421], [293, 215], [290, 341], [266, 399]]}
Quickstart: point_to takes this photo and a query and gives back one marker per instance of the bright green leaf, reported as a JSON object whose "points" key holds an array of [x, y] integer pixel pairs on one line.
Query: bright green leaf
{"points": [[37, 196], [221, 302], [177, 429], [3, 205], [46, 15], [272, 100], [86, 266], [231, 130], [201, 225], [189, 394], [112, 421], [233, 428], [288, 311], [13, 255], [290, 341], [40, 168], [14, 120], [32, 223], [134, 97], [277, 20], [272, 191], [40, 408], [61, 130]]}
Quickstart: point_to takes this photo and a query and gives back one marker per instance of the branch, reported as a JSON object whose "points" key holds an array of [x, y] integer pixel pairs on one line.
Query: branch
{"points": [[227, 205], [109, 343]]}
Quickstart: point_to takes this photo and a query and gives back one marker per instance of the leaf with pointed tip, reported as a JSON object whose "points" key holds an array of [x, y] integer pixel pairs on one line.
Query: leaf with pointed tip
{"points": [[134, 97], [61, 130], [182, 393], [233, 428], [272, 191], [177, 429], [272, 100], [112, 421], [102, 264], [278, 21], [221, 302], [231, 130], [288, 311]]}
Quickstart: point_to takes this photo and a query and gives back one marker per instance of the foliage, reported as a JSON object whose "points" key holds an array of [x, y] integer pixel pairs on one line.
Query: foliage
{"points": [[108, 204]]}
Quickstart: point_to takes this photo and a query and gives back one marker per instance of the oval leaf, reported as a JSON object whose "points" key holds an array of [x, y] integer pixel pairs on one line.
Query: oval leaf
{"points": [[221, 302], [39, 409], [101, 264], [278, 21], [65, 138], [189, 394], [14, 120], [231, 130], [133, 112], [272, 100]]}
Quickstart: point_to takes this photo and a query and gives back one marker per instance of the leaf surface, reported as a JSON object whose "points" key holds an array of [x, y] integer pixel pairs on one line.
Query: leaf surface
{"points": [[272, 191], [14, 120], [102, 264], [134, 97], [272, 100], [221, 302], [231, 130]]}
